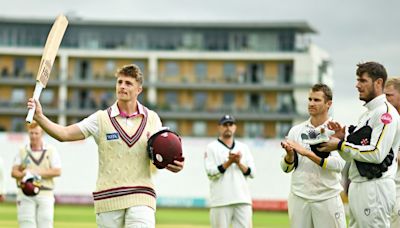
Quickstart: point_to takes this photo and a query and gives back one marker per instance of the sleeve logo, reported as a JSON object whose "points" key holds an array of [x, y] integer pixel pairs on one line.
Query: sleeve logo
{"points": [[386, 118]]}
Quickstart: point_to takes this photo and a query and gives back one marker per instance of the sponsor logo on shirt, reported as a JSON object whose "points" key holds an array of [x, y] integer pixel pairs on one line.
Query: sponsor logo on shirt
{"points": [[112, 136], [367, 211], [386, 118]]}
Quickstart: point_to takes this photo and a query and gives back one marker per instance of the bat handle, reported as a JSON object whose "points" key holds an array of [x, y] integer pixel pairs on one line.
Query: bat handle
{"points": [[36, 95]]}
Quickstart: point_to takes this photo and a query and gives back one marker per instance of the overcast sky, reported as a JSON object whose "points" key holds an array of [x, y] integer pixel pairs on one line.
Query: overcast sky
{"points": [[351, 31]]}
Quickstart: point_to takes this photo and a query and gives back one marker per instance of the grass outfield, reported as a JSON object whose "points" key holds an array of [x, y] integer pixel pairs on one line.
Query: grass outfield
{"points": [[67, 216]]}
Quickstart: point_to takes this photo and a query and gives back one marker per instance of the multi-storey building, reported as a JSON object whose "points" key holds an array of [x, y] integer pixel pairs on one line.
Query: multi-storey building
{"points": [[194, 71]]}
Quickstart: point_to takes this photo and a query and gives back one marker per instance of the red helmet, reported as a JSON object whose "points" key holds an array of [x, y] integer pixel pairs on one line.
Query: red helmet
{"points": [[164, 147], [31, 186]]}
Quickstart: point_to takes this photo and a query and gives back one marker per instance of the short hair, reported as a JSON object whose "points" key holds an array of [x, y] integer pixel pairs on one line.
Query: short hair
{"points": [[32, 125], [375, 70], [326, 90], [131, 70], [395, 82]]}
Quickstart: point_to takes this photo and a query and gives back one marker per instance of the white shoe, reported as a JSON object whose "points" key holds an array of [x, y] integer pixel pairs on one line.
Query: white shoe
{"points": [[318, 140]]}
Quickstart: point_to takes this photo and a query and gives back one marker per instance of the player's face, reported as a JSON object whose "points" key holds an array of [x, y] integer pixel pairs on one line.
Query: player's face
{"points": [[366, 87], [35, 135], [393, 96], [317, 104], [127, 88], [227, 130]]}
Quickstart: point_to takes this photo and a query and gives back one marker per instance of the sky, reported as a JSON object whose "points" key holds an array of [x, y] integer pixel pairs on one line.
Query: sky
{"points": [[350, 31]]}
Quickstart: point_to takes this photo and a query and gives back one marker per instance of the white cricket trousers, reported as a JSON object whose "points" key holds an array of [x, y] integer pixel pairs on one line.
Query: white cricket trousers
{"points": [[395, 223], [239, 215], [132, 217], [35, 211], [371, 203], [304, 213]]}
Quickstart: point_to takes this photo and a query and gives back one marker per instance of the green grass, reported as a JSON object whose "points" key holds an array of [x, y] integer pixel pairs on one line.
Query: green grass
{"points": [[78, 216]]}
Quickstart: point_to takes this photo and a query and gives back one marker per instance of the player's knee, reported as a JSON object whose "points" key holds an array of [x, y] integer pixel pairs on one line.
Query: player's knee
{"points": [[26, 221], [45, 221]]}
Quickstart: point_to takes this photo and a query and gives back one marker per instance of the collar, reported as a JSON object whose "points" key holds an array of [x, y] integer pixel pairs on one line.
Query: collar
{"points": [[375, 102], [233, 144], [29, 149], [309, 124], [115, 110]]}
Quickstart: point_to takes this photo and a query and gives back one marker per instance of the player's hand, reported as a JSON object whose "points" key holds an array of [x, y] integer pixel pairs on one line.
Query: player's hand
{"points": [[176, 167], [329, 146], [298, 148], [236, 157], [231, 157], [338, 129], [32, 103], [289, 150], [2, 198]]}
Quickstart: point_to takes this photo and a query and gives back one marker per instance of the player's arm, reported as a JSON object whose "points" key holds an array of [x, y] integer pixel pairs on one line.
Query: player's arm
{"points": [[61, 133], [305, 152], [287, 162], [213, 169], [17, 172], [333, 162], [247, 167], [47, 173], [382, 138]]}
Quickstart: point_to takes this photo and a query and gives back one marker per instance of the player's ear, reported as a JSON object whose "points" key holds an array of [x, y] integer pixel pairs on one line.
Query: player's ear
{"points": [[140, 89], [329, 103]]}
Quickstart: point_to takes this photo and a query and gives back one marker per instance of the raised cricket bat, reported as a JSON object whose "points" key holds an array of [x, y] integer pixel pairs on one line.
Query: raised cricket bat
{"points": [[49, 55]]}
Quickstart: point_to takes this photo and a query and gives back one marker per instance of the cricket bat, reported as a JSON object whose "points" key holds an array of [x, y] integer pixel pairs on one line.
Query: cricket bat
{"points": [[49, 55]]}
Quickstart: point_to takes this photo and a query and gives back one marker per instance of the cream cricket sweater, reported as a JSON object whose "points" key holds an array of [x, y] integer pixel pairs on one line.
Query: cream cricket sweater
{"points": [[42, 160], [124, 177]]}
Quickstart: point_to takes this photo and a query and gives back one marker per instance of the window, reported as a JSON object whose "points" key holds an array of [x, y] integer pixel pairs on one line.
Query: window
{"points": [[201, 71], [172, 125], [171, 69], [283, 129], [229, 98], [106, 99], [17, 124], [254, 102], [240, 42], [199, 128], [255, 72], [83, 69], [19, 67], [200, 99], [286, 102], [286, 40], [18, 96], [141, 66], [253, 129], [47, 96], [285, 72], [228, 101], [171, 100], [216, 41], [110, 67], [229, 71]]}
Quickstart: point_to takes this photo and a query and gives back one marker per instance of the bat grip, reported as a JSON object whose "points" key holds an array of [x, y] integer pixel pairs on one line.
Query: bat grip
{"points": [[36, 95]]}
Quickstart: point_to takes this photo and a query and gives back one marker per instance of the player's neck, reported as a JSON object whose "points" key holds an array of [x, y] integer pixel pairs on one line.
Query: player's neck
{"points": [[227, 141], [319, 119], [128, 107], [36, 146]]}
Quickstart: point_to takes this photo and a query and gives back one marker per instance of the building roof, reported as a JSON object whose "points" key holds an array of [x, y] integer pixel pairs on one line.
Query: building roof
{"points": [[299, 26]]}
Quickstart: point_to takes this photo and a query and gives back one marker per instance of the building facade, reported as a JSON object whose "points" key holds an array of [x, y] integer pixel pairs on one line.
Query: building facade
{"points": [[194, 73]]}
